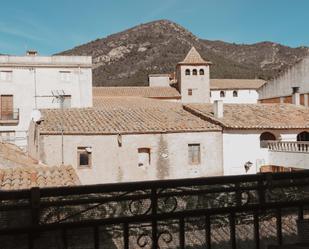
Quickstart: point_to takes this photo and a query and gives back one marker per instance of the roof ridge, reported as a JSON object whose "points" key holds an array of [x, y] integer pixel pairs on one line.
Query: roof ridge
{"points": [[193, 57]]}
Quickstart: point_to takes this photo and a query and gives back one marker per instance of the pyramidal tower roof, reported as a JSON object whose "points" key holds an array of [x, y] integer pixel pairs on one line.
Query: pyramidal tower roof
{"points": [[193, 57]]}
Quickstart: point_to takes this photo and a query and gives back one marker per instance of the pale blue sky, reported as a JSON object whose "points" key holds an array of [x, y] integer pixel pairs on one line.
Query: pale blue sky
{"points": [[52, 26]]}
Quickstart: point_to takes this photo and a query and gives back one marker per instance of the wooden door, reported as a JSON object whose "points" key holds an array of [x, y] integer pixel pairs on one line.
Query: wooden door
{"points": [[6, 106]]}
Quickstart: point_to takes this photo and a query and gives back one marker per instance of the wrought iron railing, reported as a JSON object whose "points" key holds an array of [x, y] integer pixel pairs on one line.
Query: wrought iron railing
{"points": [[299, 146], [10, 116], [248, 211]]}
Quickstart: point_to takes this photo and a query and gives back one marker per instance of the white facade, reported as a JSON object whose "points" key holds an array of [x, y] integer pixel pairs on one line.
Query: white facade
{"points": [[241, 146], [114, 163], [30, 80], [296, 76], [234, 96], [159, 80]]}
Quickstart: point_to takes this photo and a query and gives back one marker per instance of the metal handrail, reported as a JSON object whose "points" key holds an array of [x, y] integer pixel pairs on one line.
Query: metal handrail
{"points": [[14, 115]]}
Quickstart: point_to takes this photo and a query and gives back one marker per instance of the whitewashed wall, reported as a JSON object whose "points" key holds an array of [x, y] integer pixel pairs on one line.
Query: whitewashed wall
{"points": [[240, 146], [44, 73], [289, 159], [111, 163], [298, 75], [159, 80], [198, 83], [246, 96]]}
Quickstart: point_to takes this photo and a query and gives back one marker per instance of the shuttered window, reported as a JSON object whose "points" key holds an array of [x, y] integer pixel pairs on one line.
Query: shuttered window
{"points": [[84, 157], [194, 151], [6, 106]]}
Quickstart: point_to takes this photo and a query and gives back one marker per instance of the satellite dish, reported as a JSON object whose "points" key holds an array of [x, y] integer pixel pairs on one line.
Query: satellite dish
{"points": [[36, 115]]}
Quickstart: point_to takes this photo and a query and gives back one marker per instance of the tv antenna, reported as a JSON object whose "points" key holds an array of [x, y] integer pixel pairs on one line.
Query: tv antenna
{"points": [[58, 97]]}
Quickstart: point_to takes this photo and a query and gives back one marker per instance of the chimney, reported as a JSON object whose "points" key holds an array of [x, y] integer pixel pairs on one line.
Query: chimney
{"points": [[218, 108], [32, 53], [295, 95]]}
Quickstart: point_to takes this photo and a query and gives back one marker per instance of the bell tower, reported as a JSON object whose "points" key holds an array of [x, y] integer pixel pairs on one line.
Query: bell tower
{"points": [[193, 78]]}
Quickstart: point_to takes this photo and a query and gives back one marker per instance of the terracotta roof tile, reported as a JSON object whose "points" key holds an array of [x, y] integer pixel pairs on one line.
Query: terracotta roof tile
{"points": [[12, 156], [148, 92], [225, 84], [256, 116], [40, 176], [123, 115], [193, 57]]}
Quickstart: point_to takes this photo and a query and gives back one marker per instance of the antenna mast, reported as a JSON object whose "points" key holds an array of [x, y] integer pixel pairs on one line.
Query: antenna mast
{"points": [[59, 96]]}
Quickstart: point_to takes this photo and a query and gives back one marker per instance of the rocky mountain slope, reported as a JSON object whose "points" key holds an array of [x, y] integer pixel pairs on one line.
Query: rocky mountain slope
{"points": [[126, 58]]}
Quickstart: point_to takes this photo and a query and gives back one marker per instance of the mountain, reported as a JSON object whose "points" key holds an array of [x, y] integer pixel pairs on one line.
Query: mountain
{"points": [[126, 58]]}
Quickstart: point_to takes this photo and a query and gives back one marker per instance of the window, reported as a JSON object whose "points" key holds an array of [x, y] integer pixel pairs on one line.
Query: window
{"points": [[6, 107], [188, 72], [265, 137], [65, 76], [194, 151], [6, 75], [222, 94], [202, 72], [190, 92], [7, 136], [194, 72], [144, 157], [235, 94], [84, 155], [303, 136]]}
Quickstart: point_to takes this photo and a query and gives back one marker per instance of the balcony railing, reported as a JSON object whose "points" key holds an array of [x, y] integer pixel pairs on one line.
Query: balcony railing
{"points": [[279, 146], [9, 117], [250, 211]]}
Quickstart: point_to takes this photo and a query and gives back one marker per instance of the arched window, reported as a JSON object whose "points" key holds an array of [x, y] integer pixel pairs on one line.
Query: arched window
{"points": [[235, 94], [222, 94], [202, 72], [188, 72], [303, 136], [194, 72], [265, 137]]}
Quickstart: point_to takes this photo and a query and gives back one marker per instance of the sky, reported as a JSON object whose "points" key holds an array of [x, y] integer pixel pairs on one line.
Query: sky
{"points": [[51, 26]]}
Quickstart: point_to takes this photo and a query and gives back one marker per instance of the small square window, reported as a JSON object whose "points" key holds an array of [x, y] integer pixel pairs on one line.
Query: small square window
{"points": [[194, 153], [6, 75], [144, 157], [190, 92], [84, 157], [65, 76]]}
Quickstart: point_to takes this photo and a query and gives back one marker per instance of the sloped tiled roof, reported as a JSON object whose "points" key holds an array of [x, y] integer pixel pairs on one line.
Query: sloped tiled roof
{"points": [[193, 57], [125, 116], [256, 116], [148, 92], [225, 84], [13, 156], [40, 176], [131, 102]]}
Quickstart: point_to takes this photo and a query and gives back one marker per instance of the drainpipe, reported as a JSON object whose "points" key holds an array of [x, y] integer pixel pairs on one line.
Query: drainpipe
{"points": [[295, 95]]}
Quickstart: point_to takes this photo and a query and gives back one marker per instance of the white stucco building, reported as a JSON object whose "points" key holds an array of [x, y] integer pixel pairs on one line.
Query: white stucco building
{"points": [[279, 90], [241, 91], [128, 139], [29, 82], [248, 128]]}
